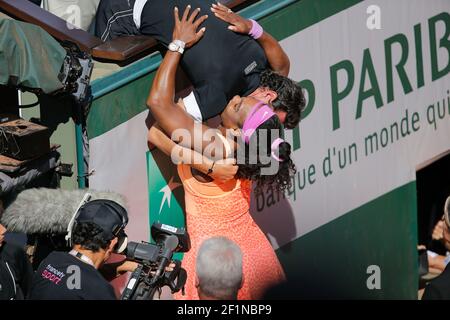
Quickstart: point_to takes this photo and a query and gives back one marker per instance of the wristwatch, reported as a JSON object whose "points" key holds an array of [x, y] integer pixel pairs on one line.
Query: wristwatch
{"points": [[177, 46]]}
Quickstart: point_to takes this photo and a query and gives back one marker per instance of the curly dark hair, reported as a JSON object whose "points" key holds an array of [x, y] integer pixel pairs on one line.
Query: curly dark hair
{"points": [[290, 96], [89, 236], [263, 138]]}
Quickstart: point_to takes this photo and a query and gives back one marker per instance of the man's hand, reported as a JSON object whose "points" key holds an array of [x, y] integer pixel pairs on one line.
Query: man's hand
{"points": [[186, 28], [237, 23], [2, 234], [127, 266], [224, 170]]}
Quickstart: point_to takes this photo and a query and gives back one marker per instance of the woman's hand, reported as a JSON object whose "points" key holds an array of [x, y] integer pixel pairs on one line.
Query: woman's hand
{"points": [[224, 170], [186, 28], [237, 23]]}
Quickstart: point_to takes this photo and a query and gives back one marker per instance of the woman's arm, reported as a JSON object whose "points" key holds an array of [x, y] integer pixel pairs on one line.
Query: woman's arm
{"points": [[175, 122], [221, 170], [278, 59]]}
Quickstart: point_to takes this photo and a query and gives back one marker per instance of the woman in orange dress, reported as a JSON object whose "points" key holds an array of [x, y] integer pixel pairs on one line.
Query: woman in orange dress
{"points": [[222, 209], [215, 207]]}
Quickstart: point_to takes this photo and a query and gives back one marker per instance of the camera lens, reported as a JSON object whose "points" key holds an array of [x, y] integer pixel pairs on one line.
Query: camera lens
{"points": [[142, 252]]}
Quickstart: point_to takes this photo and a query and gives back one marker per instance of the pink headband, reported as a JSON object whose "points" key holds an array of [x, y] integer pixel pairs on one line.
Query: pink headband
{"points": [[274, 147], [255, 119]]}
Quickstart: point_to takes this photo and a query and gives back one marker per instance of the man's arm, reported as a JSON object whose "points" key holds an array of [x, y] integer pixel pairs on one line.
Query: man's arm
{"points": [[278, 59], [112, 270]]}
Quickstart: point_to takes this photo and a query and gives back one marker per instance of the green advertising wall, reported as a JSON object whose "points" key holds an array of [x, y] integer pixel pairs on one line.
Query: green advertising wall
{"points": [[333, 260]]}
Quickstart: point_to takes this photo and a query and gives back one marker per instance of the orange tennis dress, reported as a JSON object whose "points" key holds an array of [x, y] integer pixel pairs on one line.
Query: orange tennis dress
{"points": [[223, 210]]}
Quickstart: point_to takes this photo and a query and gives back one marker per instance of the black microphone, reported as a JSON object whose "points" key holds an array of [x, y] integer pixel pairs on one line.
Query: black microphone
{"points": [[170, 244]]}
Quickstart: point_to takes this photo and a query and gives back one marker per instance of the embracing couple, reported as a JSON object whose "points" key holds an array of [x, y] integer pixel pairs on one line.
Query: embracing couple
{"points": [[238, 72]]}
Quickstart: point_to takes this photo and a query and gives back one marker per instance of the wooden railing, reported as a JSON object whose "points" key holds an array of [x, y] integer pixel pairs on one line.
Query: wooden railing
{"points": [[121, 50]]}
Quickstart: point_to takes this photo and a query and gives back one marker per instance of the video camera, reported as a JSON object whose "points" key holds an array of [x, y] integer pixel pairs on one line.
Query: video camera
{"points": [[153, 259], [43, 67], [76, 71]]}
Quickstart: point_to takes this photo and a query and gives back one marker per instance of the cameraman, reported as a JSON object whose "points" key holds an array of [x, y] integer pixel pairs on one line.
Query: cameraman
{"points": [[97, 232]]}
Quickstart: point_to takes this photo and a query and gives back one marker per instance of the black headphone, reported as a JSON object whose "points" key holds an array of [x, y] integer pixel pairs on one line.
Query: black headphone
{"points": [[118, 230], [118, 210]]}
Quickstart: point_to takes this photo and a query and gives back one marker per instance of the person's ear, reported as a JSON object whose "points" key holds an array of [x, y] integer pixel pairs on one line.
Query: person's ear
{"points": [[113, 244], [270, 96], [265, 95]]}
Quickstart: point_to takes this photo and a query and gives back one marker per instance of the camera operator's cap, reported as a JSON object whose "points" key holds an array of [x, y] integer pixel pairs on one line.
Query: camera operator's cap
{"points": [[447, 212], [110, 216]]}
